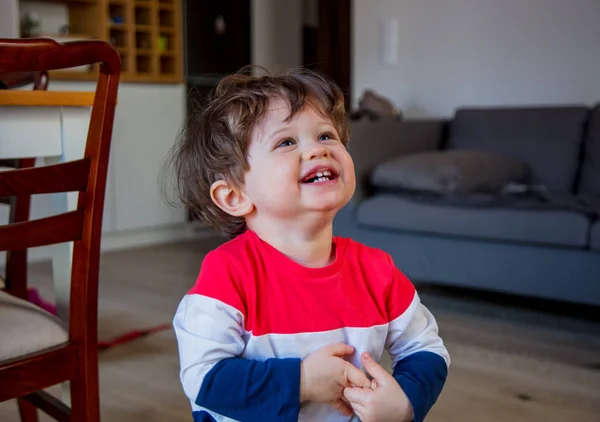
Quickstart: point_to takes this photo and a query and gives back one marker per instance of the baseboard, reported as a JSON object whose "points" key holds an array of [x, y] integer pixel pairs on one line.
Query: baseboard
{"points": [[128, 239], [140, 238]]}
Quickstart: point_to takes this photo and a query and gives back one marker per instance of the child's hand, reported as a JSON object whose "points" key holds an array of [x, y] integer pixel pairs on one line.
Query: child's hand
{"points": [[384, 401], [324, 375]]}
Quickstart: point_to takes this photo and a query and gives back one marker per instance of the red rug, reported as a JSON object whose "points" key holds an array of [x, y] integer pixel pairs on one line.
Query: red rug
{"points": [[36, 299]]}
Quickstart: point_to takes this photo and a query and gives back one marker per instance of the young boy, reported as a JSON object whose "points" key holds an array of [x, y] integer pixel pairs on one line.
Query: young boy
{"points": [[282, 316]]}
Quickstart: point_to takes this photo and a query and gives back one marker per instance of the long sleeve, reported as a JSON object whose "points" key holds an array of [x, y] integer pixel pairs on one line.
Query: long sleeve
{"points": [[249, 390], [209, 326], [419, 357], [422, 376]]}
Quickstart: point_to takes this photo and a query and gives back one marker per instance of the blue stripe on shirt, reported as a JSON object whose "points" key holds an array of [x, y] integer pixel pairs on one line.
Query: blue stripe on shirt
{"points": [[252, 390], [422, 376], [202, 416]]}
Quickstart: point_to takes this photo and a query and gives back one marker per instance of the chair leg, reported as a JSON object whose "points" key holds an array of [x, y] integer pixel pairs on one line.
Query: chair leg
{"points": [[27, 411], [85, 397]]}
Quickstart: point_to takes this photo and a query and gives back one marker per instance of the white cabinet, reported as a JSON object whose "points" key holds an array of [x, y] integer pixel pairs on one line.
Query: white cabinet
{"points": [[147, 121]]}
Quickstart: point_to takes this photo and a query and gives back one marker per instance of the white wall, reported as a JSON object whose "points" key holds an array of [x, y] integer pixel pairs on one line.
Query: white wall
{"points": [[480, 52], [147, 121], [52, 15], [277, 34], [9, 18]]}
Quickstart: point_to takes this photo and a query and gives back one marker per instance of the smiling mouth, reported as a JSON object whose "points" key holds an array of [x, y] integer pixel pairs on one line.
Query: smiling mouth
{"points": [[320, 176]]}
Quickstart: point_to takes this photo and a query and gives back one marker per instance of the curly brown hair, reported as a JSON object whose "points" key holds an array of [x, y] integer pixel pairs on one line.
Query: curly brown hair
{"points": [[213, 144]]}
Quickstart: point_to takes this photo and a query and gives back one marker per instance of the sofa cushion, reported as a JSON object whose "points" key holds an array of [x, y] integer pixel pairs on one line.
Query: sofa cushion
{"points": [[455, 171], [553, 227], [595, 236], [546, 138], [590, 171]]}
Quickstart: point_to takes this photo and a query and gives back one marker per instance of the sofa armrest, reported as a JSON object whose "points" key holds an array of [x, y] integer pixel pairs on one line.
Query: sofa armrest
{"points": [[373, 142]]}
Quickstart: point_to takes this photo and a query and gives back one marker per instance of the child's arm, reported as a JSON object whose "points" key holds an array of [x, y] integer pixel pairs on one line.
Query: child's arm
{"points": [[214, 377], [419, 358]]}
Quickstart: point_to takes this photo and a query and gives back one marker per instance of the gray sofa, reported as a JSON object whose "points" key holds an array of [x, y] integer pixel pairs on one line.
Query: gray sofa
{"points": [[546, 247]]}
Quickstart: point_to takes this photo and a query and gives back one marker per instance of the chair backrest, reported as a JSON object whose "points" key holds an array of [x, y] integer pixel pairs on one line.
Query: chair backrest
{"points": [[15, 280], [14, 80], [86, 176]]}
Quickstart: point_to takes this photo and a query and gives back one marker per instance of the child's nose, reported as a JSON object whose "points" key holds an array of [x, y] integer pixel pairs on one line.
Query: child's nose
{"points": [[316, 151]]}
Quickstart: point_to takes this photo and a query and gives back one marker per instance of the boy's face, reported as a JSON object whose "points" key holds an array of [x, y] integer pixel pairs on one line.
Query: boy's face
{"points": [[297, 167]]}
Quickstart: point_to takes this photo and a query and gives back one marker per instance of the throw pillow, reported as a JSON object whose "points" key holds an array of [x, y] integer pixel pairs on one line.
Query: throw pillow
{"points": [[451, 171]]}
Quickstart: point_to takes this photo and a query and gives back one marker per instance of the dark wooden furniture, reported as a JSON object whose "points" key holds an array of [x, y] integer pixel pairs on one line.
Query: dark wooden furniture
{"points": [[12, 80], [76, 359], [15, 277]]}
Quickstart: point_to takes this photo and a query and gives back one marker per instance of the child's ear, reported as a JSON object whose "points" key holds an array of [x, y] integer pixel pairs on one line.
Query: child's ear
{"points": [[230, 199]]}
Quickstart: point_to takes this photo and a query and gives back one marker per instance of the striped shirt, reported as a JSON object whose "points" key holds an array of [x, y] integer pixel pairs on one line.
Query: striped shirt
{"points": [[254, 314]]}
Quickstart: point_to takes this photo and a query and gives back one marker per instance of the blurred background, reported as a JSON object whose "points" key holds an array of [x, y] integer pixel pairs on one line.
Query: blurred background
{"points": [[475, 130]]}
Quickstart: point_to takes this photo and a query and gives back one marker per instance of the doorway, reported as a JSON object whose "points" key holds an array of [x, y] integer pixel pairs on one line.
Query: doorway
{"points": [[327, 40]]}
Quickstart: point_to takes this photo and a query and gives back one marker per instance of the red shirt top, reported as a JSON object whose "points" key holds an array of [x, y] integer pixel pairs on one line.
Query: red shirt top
{"points": [[361, 288]]}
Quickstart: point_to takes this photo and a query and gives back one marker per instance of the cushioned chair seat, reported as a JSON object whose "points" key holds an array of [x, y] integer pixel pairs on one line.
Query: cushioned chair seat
{"points": [[554, 227], [595, 236], [25, 328]]}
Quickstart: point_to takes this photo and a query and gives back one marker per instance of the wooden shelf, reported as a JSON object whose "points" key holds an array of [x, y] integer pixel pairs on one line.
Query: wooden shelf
{"points": [[147, 37], [60, 37], [66, 75], [162, 79], [64, 1], [119, 26], [46, 98], [125, 77]]}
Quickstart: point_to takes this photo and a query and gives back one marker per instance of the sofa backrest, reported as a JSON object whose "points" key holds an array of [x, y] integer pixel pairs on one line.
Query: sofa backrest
{"points": [[590, 171], [548, 139]]}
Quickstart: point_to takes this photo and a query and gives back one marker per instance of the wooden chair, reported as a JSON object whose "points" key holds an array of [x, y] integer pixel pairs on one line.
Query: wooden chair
{"points": [[36, 351], [12, 80], [15, 278]]}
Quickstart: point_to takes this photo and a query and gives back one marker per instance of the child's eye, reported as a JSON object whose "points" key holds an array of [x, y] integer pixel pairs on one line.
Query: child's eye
{"points": [[326, 137], [286, 143]]}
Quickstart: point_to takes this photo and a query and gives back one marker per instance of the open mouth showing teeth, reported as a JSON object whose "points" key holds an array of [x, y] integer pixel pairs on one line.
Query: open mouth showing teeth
{"points": [[319, 177]]}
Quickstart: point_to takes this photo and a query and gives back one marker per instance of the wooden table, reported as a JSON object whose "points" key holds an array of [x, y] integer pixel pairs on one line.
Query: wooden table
{"points": [[51, 126]]}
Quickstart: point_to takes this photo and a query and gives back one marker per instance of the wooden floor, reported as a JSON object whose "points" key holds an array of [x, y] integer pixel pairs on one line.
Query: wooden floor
{"points": [[508, 364]]}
